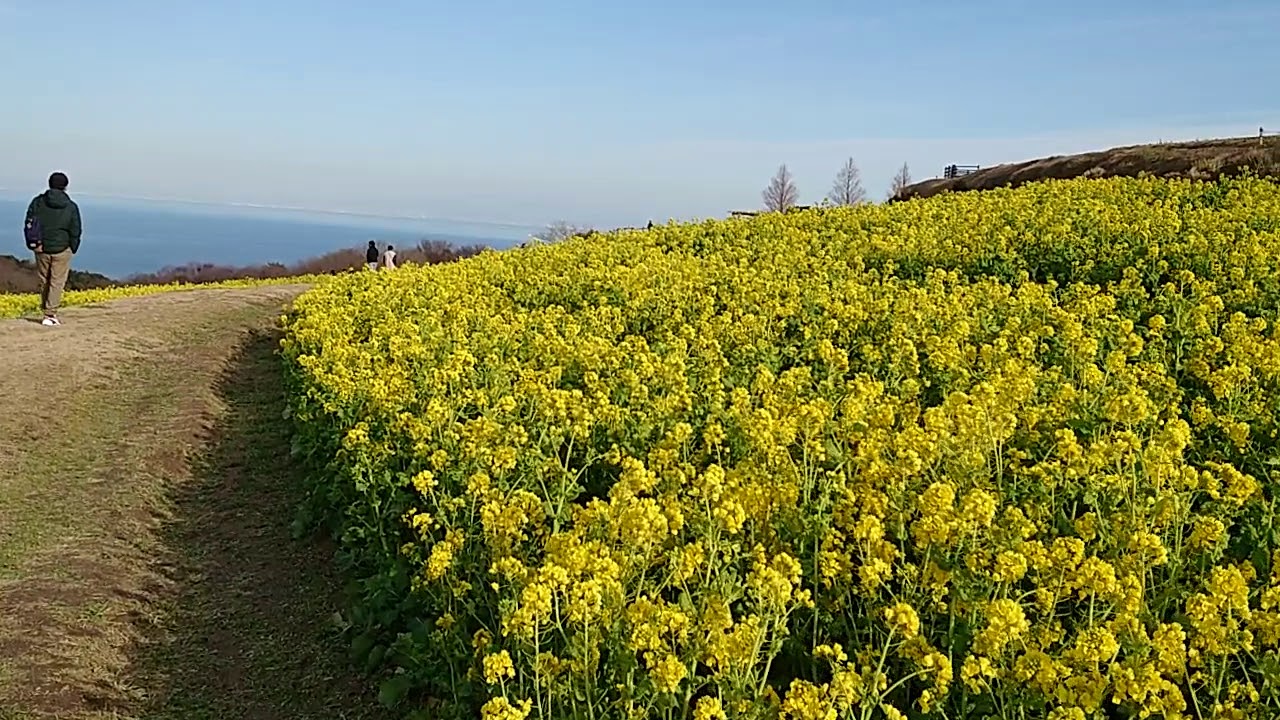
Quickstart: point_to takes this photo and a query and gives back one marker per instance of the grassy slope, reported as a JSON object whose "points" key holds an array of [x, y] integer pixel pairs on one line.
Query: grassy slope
{"points": [[1205, 159], [146, 566]]}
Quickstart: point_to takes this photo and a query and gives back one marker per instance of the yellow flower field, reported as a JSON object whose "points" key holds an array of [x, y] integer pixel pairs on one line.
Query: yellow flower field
{"points": [[1008, 454], [19, 304]]}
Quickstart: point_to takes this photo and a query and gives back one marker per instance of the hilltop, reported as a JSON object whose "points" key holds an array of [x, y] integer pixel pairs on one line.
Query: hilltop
{"points": [[1198, 159]]}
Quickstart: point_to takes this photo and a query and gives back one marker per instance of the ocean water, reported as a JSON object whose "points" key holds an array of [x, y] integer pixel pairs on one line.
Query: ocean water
{"points": [[127, 237]]}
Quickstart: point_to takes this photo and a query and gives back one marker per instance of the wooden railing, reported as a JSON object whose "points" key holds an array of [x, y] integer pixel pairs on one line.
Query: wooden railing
{"points": [[955, 171]]}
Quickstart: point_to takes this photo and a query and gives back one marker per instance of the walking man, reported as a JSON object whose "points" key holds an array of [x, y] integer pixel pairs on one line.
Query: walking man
{"points": [[53, 233], [389, 259], [371, 256]]}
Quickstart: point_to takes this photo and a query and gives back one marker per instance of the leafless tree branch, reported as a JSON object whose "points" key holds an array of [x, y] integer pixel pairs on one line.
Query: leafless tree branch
{"points": [[848, 189], [900, 181], [781, 195]]}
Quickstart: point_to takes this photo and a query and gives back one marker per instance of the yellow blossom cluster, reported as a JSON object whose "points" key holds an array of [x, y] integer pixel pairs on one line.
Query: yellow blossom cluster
{"points": [[19, 304], [1006, 454]]}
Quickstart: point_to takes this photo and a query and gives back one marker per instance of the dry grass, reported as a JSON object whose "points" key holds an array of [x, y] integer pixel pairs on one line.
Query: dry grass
{"points": [[1205, 159], [146, 564]]}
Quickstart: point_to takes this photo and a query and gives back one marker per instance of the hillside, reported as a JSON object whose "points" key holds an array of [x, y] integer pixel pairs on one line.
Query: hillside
{"points": [[1198, 159], [19, 276], [959, 439], [958, 467]]}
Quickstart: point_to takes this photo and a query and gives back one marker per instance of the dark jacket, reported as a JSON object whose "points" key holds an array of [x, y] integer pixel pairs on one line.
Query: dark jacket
{"points": [[59, 221], [371, 255]]}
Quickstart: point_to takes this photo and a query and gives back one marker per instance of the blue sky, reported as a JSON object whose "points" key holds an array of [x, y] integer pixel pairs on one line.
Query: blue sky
{"points": [[599, 112]]}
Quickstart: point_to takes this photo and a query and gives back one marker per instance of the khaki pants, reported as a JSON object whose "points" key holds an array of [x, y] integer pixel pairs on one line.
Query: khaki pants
{"points": [[53, 270]]}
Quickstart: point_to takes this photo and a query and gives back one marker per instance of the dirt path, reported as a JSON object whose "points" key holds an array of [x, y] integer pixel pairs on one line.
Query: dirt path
{"points": [[146, 564]]}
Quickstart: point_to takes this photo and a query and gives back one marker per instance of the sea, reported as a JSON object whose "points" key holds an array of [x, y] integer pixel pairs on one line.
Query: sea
{"points": [[125, 237]]}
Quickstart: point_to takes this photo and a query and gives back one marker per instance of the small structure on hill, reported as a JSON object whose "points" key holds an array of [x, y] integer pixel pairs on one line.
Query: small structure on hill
{"points": [[753, 213], [955, 171]]}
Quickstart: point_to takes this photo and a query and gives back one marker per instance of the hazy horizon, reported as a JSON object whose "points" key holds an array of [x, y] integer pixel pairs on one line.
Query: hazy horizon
{"points": [[304, 214], [127, 238]]}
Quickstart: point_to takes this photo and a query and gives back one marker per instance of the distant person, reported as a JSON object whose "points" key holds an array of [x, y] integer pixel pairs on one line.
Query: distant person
{"points": [[371, 256], [389, 259], [52, 230]]}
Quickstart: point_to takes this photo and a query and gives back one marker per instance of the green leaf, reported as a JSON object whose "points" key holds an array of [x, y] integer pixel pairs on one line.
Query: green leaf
{"points": [[834, 452], [375, 658], [361, 646], [420, 631], [394, 689], [1270, 670], [1262, 561]]}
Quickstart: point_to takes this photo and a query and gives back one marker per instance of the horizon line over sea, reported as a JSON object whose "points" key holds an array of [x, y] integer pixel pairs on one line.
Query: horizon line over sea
{"points": [[13, 193], [126, 236]]}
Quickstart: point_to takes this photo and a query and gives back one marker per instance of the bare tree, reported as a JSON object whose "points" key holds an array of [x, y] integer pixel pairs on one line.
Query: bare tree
{"points": [[560, 230], [900, 181], [781, 195], [848, 189]]}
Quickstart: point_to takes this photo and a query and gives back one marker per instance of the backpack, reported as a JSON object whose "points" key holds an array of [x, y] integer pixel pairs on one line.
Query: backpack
{"points": [[33, 233]]}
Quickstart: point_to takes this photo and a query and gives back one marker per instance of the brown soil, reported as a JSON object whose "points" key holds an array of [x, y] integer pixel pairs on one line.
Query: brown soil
{"points": [[146, 564]]}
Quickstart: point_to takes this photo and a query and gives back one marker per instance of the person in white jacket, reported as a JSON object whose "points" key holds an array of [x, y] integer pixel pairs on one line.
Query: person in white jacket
{"points": [[389, 259]]}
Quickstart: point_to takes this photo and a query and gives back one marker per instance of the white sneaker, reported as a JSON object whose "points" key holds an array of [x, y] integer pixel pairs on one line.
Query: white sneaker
{"points": [[50, 322]]}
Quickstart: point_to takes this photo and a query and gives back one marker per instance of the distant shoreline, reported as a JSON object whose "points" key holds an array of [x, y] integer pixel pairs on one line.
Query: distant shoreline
{"points": [[17, 274], [17, 194], [127, 238]]}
